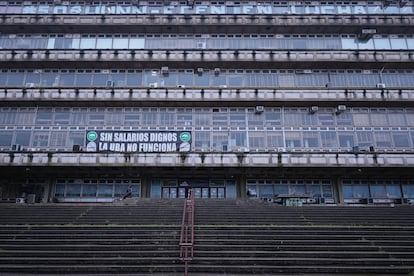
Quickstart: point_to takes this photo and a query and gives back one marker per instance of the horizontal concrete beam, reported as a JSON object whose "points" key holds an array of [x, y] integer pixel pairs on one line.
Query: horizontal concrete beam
{"points": [[211, 58], [236, 160], [207, 23], [208, 96]]}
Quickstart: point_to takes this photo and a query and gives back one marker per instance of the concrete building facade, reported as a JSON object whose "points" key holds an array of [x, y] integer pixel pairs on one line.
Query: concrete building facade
{"points": [[232, 98]]}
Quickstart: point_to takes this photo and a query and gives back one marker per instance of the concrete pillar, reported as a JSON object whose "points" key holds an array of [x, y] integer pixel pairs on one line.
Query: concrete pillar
{"points": [[145, 187], [48, 190], [241, 186], [337, 190]]}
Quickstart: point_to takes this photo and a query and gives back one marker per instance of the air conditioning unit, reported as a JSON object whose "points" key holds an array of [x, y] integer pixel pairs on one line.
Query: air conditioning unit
{"points": [[164, 70], [341, 108], [20, 200], [223, 86], [16, 147], [76, 148], [259, 109], [402, 3], [313, 109], [29, 84], [200, 71], [216, 71], [367, 34], [153, 85], [181, 86], [381, 85]]}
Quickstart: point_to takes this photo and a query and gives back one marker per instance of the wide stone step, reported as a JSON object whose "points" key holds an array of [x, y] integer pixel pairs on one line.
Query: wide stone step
{"points": [[113, 269], [304, 247], [299, 269]]}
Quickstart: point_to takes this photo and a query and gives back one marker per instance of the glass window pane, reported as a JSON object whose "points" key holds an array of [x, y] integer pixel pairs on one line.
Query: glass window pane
{"points": [[382, 43], [6, 138], [281, 189], [349, 43], [23, 138], [60, 190], [84, 79], [361, 191], [120, 43], [136, 43], [378, 191], [89, 190], [134, 79], [105, 190], [87, 43], [104, 43], [366, 44], [15, 78], [408, 190], [347, 191], [73, 190], [266, 191], [398, 44], [393, 191], [401, 140]]}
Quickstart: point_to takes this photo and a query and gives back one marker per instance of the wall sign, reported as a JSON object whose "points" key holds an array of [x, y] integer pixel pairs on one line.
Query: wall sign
{"points": [[138, 141], [217, 9]]}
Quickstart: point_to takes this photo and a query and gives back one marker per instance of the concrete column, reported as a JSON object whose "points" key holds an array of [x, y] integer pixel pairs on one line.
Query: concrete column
{"points": [[337, 190], [241, 186], [145, 187], [48, 190]]}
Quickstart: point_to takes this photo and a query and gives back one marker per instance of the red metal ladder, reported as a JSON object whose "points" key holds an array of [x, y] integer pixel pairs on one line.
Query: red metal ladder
{"points": [[187, 232]]}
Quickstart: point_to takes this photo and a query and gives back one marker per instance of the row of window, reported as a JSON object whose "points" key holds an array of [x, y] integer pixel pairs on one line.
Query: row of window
{"points": [[360, 189], [235, 140], [201, 77], [221, 42], [93, 188], [43, 118], [351, 189], [271, 188]]}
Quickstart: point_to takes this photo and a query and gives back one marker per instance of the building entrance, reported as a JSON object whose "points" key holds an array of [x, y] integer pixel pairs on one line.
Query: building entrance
{"points": [[202, 188], [199, 192]]}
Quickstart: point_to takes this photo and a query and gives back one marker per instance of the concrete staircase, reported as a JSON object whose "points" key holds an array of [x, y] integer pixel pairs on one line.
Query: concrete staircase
{"points": [[232, 237], [270, 239]]}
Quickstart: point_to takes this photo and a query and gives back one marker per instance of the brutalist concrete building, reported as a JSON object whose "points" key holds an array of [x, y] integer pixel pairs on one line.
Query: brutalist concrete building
{"points": [[305, 99]]}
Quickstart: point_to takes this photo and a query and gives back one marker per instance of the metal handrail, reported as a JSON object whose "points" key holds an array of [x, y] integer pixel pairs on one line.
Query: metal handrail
{"points": [[187, 232]]}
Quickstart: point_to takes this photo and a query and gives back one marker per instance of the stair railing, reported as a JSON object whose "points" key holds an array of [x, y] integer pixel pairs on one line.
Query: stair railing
{"points": [[187, 232]]}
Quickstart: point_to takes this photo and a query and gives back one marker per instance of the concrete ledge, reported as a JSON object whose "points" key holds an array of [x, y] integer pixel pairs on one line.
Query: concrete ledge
{"points": [[208, 159]]}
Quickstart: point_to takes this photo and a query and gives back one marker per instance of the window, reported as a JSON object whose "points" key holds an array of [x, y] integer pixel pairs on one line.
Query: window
{"points": [[346, 140], [329, 139], [58, 138], [23, 138], [310, 139], [257, 140], [6, 138], [293, 139], [383, 139], [40, 139], [202, 140], [44, 117], [401, 140]]}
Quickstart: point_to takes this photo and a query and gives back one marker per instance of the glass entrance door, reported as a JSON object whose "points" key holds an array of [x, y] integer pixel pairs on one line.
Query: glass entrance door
{"points": [[210, 192]]}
